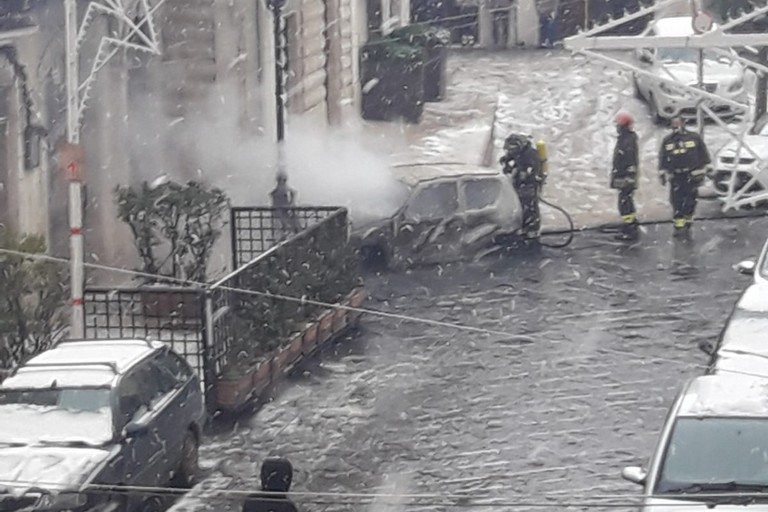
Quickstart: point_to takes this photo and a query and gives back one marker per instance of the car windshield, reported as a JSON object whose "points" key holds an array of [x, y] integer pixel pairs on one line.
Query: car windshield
{"points": [[706, 454], [65, 416], [687, 55]]}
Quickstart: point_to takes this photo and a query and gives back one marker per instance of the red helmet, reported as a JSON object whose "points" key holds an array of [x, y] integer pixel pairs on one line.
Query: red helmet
{"points": [[624, 119]]}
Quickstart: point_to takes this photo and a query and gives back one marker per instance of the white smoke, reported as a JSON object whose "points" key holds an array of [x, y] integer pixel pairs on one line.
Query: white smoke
{"points": [[327, 167]]}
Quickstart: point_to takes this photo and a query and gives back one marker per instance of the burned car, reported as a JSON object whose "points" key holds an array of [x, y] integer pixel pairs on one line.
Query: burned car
{"points": [[448, 218]]}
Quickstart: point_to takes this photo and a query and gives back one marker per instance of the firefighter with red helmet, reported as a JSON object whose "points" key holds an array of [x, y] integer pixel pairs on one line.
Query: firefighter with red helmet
{"points": [[624, 174]]}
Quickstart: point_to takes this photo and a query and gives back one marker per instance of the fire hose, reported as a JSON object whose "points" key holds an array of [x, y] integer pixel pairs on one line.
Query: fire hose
{"points": [[569, 232]]}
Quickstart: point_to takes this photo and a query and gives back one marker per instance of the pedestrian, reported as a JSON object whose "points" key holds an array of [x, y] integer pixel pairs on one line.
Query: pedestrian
{"points": [[624, 174], [283, 200], [522, 162], [683, 161], [276, 476]]}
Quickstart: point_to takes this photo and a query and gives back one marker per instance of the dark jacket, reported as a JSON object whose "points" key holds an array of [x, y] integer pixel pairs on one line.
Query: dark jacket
{"points": [[683, 151], [625, 161], [276, 476], [526, 169]]}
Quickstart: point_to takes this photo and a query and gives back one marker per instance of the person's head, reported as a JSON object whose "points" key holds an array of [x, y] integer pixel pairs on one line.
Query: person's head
{"points": [[678, 124], [282, 178], [515, 143], [624, 121], [276, 475]]}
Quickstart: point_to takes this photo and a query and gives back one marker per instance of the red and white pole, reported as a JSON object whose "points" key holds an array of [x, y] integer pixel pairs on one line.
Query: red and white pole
{"points": [[76, 242]]}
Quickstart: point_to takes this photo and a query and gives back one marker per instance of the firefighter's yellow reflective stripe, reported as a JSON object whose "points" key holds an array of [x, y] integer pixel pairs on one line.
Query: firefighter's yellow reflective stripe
{"points": [[690, 144], [698, 172], [669, 146], [679, 223], [629, 218], [689, 219]]}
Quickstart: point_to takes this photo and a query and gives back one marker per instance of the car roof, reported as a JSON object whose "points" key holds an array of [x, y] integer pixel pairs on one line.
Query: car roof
{"points": [[82, 363], [417, 174], [680, 26], [725, 395]]}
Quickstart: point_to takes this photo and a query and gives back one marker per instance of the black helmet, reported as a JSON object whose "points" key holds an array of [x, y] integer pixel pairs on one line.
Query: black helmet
{"points": [[516, 142]]}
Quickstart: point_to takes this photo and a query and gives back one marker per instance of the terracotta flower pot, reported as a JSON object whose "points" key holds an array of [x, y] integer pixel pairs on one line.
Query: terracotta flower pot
{"points": [[232, 392], [339, 320], [262, 377], [310, 338], [295, 346], [326, 326], [357, 297]]}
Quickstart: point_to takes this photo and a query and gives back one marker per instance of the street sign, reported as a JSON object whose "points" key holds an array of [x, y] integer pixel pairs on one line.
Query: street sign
{"points": [[702, 22], [71, 160]]}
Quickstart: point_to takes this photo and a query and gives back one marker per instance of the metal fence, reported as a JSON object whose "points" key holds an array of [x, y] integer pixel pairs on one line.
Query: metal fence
{"points": [[255, 229], [227, 324], [170, 314], [248, 308]]}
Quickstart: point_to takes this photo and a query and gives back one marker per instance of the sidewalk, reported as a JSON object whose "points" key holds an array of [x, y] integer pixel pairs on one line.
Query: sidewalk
{"points": [[568, 102]]}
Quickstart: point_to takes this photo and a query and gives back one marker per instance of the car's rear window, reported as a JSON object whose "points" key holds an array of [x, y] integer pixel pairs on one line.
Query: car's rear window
{"points": [[481, 193]]}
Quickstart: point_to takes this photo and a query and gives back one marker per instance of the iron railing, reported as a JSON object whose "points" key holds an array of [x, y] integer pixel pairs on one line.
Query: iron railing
{"points": [[228, 323], [170, 314], [256, 229], [251, 315]]}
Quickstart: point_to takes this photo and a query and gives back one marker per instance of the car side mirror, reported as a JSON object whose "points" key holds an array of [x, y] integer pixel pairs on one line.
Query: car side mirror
{"points": [[135, 429], [707, 347], [634, 474], [645, 56], [746, 267]]}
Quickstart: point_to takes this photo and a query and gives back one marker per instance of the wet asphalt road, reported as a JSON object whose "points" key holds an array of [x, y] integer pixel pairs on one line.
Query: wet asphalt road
{"points": [[600, 337]]}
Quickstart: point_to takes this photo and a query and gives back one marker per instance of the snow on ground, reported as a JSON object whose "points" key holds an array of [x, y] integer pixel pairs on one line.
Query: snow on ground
{"points": [[569, 102]]}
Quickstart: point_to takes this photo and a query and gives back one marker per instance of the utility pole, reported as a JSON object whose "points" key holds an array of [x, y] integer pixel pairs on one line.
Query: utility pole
{"points": [[70, 154], [277, 6], [76, 242]]}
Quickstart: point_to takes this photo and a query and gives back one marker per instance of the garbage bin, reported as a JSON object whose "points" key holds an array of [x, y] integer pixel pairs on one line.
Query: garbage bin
{"points": [[392, 76], [434, 41]]}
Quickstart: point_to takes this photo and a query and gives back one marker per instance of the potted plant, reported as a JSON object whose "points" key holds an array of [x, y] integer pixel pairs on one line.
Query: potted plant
{"points": [[392, 74], [434, 41]]}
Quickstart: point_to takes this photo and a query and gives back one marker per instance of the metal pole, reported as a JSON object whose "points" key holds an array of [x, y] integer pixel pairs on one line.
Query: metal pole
{"points": [[277, 6], [699, 110], [586, 14], [761, 95], [76, 242]]}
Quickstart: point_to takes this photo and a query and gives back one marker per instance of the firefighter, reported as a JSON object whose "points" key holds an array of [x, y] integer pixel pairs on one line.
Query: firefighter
{"points": [[683, 161], [624, 174], [521, 160]]}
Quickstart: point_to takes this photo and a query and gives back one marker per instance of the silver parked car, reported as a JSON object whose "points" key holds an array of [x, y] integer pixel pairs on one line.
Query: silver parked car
{"points": [[445, 219], [742, 347], [85, 416], [713, 448], [722, 76]]}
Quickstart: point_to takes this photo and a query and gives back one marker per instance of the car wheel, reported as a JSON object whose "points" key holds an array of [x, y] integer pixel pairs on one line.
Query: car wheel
{"points": [[636, 88], [655, 114], [186, 475]]}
